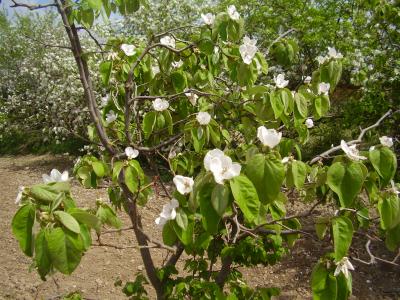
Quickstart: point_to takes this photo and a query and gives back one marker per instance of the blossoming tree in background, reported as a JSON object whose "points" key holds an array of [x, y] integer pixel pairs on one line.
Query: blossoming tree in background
{"points": [[231, 137]]}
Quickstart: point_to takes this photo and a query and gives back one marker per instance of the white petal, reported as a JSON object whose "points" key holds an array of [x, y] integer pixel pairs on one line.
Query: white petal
{"points": [[64, 176]]}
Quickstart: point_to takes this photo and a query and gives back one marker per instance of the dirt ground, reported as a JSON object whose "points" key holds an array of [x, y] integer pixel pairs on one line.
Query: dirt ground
{"points": [[102, 266]]}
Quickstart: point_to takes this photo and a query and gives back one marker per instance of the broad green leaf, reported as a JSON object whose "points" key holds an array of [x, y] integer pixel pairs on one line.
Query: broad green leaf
{"points": [[169, 235], [149, 121], [179, 81], [105, 71], [277, 104], [392, 239], [108, 216], [95, 4], [116, 170], [48, 192], [296, 174], [206, 46], [384, 162], [220, 198], [181, 219], [346, 180], [301, 106], [210, 218], [67, 220], [65, 249], [323, 284], [131, 179], [342, 229], [246, 197], [22, 224], [185, 236], [85, 235], [42, 255], [389, 211], [85, 217], [99, 168]]}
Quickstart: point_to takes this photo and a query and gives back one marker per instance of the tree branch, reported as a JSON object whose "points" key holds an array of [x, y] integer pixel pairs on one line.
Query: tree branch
{"points": [[32, 6]]}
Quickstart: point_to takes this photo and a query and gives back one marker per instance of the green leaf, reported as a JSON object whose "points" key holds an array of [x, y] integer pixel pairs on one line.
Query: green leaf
{"points": [[220, 198], [185, 236], [179, 81], [99, 168], [346, 180], [168, 120], [65, 249], [169, 235], [301, 109], [149, 121], [105, 71], [210, 218], [277, 104], [206, 46], [392, 240], [384, 162], [389, 211], [342, 229], [68, 221], [181, 219], [321, 226], [116, 170], [22, 224], [95, 4], [323, 284], [42, 255], [297, 172], [86, 237], [49, 192], [85, 217], [131, 179], [245, 195], [108, 216]]}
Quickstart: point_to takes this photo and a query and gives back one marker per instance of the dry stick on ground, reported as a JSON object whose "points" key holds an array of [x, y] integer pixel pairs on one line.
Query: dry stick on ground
{"points": [[373, 258], [356, 141]]}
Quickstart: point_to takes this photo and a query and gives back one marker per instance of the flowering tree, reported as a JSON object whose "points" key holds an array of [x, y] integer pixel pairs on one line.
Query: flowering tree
{"points": [[231, 137]]}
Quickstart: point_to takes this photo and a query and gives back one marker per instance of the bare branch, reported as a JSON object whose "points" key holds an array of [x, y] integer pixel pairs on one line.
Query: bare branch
{"points": [[374, 259], [32, 6]]}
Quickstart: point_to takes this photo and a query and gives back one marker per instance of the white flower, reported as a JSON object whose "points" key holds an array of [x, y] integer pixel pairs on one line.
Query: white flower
{"points": [[280, 81], [160, 105], [332, 53], [131, 153], [321, 59], [129, 50], [351, 151], [221, 166], [344, 265], [248, 49], [386, 141], [111, 117], [183, 184], [168, 212], [372, 148], [307, 79], [203, 118], [192, 98], [232, 12], [394, 188], [323, 88], [104, 100], [19, 196], [268, 137], [155, 69], [285, 160], [177, 64], [208, 18], [55, 176], [168, 41], [309, 123]]}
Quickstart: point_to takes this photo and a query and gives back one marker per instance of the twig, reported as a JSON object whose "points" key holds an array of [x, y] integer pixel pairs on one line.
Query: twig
{"points": [[279, 38], [373, 258], [32, 6]]}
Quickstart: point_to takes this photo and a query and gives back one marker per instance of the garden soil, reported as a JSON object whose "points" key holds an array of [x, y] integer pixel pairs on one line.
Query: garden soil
{"points": [[102, 266]]}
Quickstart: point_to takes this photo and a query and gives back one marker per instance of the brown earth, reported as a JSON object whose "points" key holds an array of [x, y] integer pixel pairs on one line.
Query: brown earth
{"points": [[102, 266]]}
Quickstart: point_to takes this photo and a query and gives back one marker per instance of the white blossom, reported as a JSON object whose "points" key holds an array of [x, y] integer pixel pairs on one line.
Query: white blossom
{"points": [[221, 166], [248, 49], [183, 184], [332, 53], [203, 118], [309, 123], [343, 266], [19, 195], [168, 41], [372, 148], [351, 151], [386, 141], [160, 105], [285, 160], [321, 59], [110, 117], [129, 50], [155, 69], [280, 81], [168, 213], [177, 64], [208, 18], [104, 100], [192, 98], [131, 153], [323, 88], [307, 79], [232, 12], [55, 176], [268, 137]]}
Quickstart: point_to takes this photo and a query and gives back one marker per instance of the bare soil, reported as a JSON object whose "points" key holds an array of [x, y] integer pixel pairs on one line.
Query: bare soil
{"points": [[102, 266]]}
